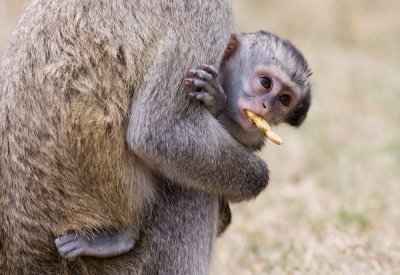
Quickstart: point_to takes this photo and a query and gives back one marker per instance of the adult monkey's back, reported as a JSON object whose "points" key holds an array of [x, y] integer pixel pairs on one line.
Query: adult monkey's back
{"points": [[91, 107]]}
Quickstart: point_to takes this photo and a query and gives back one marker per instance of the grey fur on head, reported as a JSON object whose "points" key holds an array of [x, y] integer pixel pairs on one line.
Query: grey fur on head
{"points": [[282, 52]]}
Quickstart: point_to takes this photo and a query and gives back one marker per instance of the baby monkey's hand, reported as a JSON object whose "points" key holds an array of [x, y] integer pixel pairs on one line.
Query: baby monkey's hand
{"points": [[102, 245], [207, 88]]}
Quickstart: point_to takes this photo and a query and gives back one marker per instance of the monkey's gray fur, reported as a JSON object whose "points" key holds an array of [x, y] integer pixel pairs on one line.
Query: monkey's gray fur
{"points": [[94, 128]]}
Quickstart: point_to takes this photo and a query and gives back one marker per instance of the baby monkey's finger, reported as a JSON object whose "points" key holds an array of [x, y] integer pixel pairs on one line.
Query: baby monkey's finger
{"points": [[197, 83], [210, 69], [203, 75], [202, 96]]}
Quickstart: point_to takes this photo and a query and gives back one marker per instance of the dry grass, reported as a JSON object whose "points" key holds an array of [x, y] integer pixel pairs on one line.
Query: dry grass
{"points": [[333, 205]]}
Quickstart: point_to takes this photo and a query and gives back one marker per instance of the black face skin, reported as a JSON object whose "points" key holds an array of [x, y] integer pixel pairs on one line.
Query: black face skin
{"points": [[261, 73]]}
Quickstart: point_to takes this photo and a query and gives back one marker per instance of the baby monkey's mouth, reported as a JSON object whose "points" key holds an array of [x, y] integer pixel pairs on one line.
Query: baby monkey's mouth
{"points": [[264, 127]]}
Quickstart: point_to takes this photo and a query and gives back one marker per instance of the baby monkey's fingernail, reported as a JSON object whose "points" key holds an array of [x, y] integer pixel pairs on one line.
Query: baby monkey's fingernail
{"points": [[192, 72], [187, 81]]}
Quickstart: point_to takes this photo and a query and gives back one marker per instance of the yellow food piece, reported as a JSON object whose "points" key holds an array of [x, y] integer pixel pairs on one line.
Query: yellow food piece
{"points": [[264, 127]]}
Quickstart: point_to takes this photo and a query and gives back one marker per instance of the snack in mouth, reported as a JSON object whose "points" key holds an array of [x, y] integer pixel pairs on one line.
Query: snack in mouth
{"points": [[264, 127]]}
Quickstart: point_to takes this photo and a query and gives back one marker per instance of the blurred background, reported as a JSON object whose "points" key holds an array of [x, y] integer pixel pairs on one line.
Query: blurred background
{"points": [[333, 203]]}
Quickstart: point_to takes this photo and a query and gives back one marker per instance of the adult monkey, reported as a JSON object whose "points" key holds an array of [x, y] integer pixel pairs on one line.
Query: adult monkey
{"points": [[94, 126]]}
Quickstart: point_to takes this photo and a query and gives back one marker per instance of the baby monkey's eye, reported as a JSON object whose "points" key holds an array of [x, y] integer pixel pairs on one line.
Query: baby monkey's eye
{"points": [[266, 82], [285, 99]]}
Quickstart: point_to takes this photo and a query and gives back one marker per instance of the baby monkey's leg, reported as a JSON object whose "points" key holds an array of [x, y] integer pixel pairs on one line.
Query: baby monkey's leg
{"points": [[207, 88], [103, 245]]}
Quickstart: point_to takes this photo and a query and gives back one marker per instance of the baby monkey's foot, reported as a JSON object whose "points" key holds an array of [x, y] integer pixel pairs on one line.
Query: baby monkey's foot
{"points": [[207, 88], [103, 245]]}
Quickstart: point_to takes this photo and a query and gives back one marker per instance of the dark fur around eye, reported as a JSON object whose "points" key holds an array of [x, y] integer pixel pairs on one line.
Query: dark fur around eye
{"points": [[299, 114]]}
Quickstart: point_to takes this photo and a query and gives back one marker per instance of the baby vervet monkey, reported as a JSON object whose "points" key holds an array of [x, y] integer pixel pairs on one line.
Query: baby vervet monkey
{"points": [[261, 73]]}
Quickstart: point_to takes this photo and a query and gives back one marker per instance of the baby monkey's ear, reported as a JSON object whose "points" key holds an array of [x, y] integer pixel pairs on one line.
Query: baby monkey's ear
{"points": [[231, 48]]}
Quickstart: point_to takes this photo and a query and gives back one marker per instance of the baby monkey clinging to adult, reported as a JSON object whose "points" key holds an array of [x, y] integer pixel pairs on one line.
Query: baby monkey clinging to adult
{"points": [[261, 73]]}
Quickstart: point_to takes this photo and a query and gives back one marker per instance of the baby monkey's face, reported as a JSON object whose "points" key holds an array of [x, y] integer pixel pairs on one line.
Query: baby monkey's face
{"points": [[255, 77], [264, 92]]}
